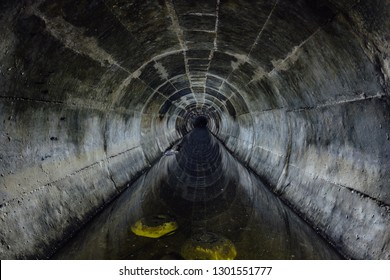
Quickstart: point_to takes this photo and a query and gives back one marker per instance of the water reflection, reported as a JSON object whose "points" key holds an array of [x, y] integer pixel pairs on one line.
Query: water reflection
{"points": [[208, 193], [200, 181]]}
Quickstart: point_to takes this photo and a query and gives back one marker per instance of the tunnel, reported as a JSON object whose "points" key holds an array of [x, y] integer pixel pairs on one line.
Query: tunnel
{"points": [[273, 114]]}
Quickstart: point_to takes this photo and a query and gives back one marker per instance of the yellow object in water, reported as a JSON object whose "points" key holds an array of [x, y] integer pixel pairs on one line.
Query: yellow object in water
{"points": [[154, 226], [208, 246]]}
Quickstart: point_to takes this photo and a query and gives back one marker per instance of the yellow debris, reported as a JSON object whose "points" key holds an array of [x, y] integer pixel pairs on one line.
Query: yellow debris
{"points": [[208, 246], [154, 226]]}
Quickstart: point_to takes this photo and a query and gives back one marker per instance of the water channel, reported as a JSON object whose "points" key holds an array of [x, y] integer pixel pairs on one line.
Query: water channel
{"points": [[215, 209]]}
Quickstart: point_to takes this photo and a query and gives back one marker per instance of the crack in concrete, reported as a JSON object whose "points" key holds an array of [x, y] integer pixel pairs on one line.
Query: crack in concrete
{"points": [[320, 106], [292, 56], [71, 103], [84, 169], [285, 63], [112, 179], [244, 59], [17, 98], [262, 30], [121, 22], [280, 186], [362, 97], [334, 184]]}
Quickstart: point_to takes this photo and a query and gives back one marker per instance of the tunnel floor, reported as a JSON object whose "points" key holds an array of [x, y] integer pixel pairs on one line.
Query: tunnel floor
{"points": [[219, 208]]}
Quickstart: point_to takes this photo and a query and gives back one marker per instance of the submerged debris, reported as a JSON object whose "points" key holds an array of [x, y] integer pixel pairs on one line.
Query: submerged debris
{"points": [[154, 226], [208, 246]]}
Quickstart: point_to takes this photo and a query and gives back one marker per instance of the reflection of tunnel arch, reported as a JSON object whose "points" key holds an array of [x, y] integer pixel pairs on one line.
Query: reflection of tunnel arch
{"points": [[298, 91], [201, 182]]}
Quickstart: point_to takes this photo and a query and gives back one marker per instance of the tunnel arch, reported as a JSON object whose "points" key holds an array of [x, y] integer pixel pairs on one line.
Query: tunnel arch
{"points": [[93, 92]]}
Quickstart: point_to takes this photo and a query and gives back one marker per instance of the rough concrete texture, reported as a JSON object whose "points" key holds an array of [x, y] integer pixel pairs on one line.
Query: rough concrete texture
{"points": [[92, 92]]}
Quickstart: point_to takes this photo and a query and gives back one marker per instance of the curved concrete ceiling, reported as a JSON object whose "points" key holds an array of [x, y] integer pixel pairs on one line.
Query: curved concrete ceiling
{"points": [[92, 92]]}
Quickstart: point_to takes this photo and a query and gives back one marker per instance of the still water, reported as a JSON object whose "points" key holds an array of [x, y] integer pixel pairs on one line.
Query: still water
{"points": [[238, 212]]}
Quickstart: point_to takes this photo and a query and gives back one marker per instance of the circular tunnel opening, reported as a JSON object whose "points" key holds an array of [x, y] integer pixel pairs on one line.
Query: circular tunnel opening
{"points": [[200, 122], [301, 100], [198, 117]]}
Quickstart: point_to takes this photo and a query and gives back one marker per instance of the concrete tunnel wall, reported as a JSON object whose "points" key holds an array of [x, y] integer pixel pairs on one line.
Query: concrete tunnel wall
{"points": [[92, 92]]}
